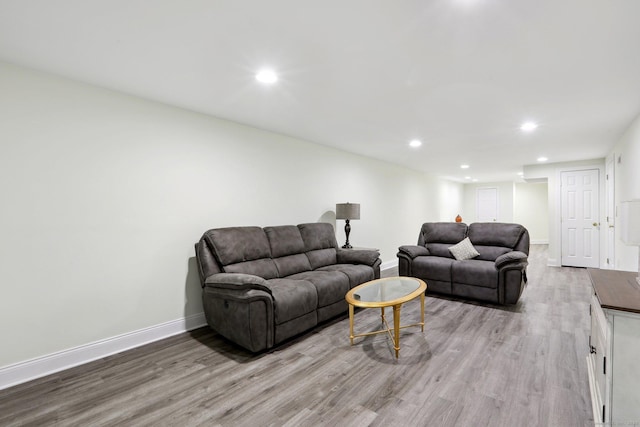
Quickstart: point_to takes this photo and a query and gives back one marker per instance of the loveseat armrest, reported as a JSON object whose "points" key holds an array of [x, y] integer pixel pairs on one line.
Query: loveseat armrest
{"points": [[413, 251], [513, 258], [237, 281], [358, 256]]}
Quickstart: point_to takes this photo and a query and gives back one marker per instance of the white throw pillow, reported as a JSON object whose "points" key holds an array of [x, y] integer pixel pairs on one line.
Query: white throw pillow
{"points": [[464, 250]]}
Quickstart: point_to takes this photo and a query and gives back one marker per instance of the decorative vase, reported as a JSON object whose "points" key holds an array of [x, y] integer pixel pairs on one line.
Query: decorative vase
{"points": [[458, 218]]}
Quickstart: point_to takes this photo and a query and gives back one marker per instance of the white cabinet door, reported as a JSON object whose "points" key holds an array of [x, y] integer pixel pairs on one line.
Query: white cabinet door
{"points": [[625, 381]]}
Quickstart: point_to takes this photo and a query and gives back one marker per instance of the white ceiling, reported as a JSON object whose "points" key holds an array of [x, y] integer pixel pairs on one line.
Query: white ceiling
{"points": [[366, 76]]}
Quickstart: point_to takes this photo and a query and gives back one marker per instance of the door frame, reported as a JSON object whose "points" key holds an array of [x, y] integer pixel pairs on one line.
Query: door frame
{"points": [[555, 258], [610, 212], [593, 243]]}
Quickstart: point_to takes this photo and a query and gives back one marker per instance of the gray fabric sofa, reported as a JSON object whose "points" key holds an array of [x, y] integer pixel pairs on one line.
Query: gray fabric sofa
{"points": [[497, 274], [262, 286]]}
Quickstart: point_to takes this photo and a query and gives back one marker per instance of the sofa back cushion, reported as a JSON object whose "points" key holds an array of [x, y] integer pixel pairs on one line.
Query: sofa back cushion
{"points": [[495, 234], [287, 249], [439, 236], [320, 243], [442, 232], [493, 239], [242, 250], [284, 240]]}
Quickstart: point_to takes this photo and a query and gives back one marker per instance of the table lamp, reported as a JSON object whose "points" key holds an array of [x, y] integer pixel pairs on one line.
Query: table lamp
{"points": [[347, 211]]}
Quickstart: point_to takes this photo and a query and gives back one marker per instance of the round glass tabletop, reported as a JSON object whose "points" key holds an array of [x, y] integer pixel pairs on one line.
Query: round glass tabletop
{"points": [[385, 292]]}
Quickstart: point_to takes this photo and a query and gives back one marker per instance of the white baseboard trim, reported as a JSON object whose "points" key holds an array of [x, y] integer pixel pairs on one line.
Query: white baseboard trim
{"points": [[388, 264], [41, 366], [539, 242], [552, 262]]}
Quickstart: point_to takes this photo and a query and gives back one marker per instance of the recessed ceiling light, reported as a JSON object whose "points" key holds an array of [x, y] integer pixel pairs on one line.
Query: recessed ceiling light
{"points": [[467, 177], [528, 126], [267, 76], [474, 180], [542, 159], [464, 166], [520, 173], [415, 143]]}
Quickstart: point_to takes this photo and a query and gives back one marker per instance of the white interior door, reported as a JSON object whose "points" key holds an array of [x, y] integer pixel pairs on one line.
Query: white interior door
{"points": [[487, 204], [580, 219]]}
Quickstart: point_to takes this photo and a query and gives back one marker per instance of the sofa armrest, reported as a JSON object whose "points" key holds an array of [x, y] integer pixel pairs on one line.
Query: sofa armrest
{"points": [[413, 251], [239, 312], [357, 256], [513, 258], [237, 281]]}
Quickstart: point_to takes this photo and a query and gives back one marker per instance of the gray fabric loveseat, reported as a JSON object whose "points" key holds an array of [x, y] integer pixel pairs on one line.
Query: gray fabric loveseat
{"points": [[262, 286], [496, 274]]}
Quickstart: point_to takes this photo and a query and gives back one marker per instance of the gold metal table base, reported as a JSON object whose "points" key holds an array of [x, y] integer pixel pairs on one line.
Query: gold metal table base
{"points": [[395, 335]]}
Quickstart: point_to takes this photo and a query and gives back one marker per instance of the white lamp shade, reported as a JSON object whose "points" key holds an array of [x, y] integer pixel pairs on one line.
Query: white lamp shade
{"points": [[630, 222]]}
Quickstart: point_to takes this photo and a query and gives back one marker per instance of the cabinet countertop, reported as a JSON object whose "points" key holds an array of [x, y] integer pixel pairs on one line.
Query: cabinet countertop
{"points": [[616, 290]]}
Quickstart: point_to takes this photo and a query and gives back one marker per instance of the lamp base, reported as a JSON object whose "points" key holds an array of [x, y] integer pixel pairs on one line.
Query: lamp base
{"points": [[347, 230]]}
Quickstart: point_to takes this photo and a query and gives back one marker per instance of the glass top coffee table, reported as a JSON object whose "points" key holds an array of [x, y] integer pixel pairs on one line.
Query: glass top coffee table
{"points": [[387, 292]]}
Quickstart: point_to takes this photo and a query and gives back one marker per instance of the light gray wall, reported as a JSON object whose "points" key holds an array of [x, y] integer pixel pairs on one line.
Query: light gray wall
{"points": [[104, 195], [521, 203], [627, 182], [449, 203], [505, 201], [530, 209]]}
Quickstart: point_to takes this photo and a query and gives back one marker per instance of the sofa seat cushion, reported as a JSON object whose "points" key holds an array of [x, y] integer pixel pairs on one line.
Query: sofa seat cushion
{"points": [[475, 272], [292, 298], [432, 267], [331, 286], [357, 273]]}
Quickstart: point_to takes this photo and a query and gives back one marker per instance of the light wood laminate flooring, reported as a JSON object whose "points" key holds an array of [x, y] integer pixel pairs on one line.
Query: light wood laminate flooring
{"points": [[474, 365]]}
